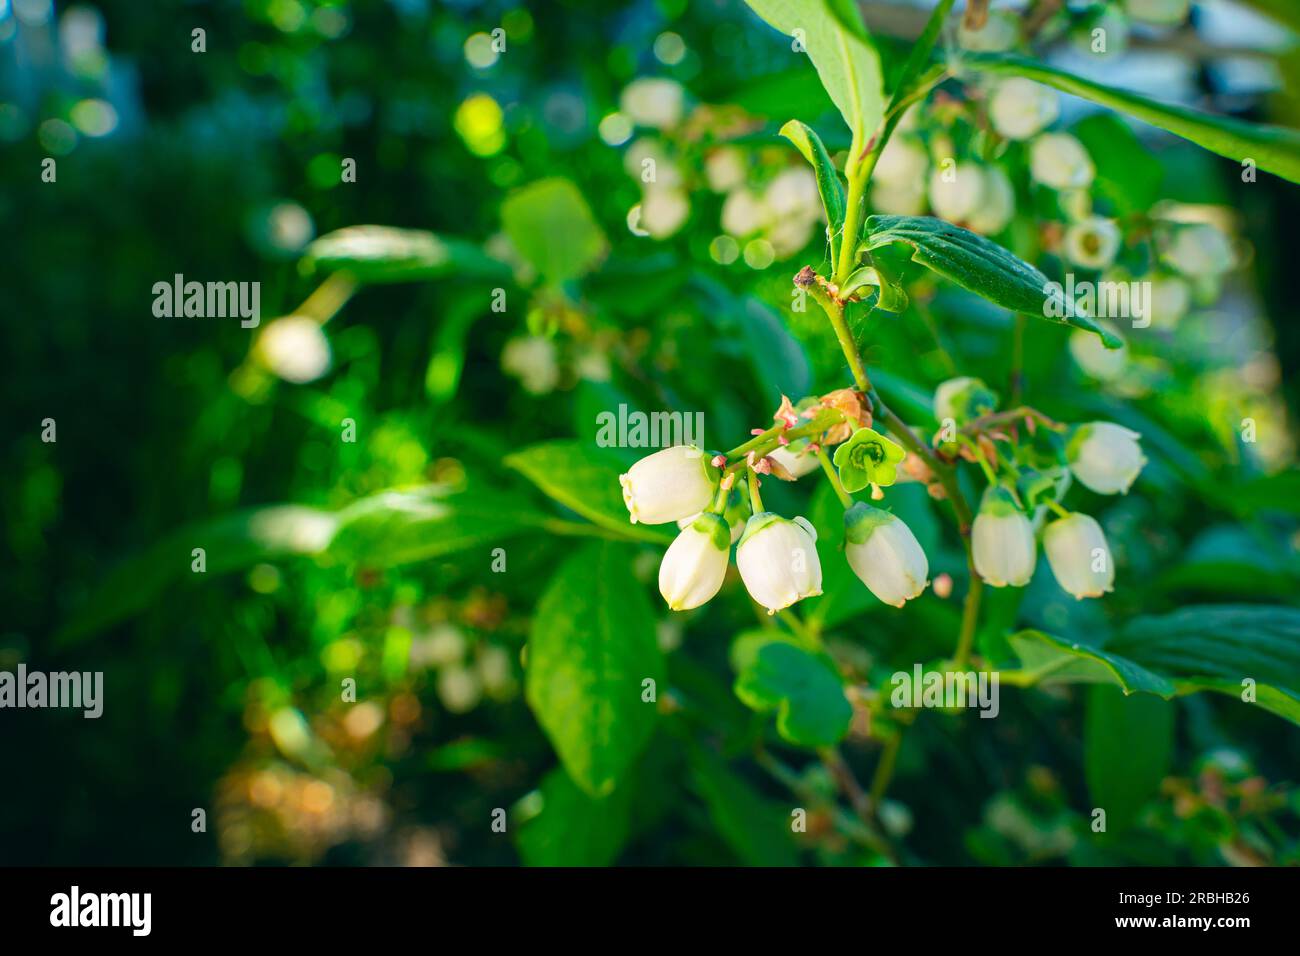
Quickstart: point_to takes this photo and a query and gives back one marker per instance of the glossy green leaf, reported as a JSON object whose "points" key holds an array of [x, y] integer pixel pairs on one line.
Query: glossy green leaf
{"points": [[830, 187], [890, 296], [377, 254], [1272, 148], [1128, 749], [757, 829], [591, 645], [552, 227], [573, 827], [832, 34], [585, 481], [1231, 649], [981, 266], [804, 689]]}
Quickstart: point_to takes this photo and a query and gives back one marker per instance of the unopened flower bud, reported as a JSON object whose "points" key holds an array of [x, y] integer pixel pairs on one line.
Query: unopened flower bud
{"points": [[695, 563], [1106, 457], [1002, 541], [963, 399], [1021, 108], [1059, 160], [884, 554], [670, 484], [1079, 556], [778, 560]]}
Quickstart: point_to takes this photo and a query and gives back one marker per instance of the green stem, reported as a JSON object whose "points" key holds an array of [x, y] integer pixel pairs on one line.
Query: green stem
{"points": [[885, 771], [857, 175], [827, 467], [834, 310], [755, 499], [1056, 506], [757, 440], [770, 439], [970, 613]]}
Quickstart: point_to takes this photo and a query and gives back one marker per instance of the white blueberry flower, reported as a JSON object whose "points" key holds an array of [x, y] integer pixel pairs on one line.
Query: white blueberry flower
{"points": [[904, 199], [1104, 456], [884, 554], [998, 205], [1002, 541], [1170, 299], [1167, 13], [778, 560], [1021, 108], [1079, 557], [1092, 242], [1199, 250], [652, 101], [963, 398], [670, 484], [294, 348], [695, 563], [1059, 160]]}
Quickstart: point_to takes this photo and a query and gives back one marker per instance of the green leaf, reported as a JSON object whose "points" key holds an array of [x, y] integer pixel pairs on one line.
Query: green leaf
{"points": [[890, 295], [838, 45], [1127, 173], [1046, 659], [591, 645], [391, 527], [1273, 148], [585, 481], [920, 55], [385, 254], [574, 828], [830, 187], [777, 356], [403, 526], [1216, 647], [802, 686], [757, 829], [1205, 647], [1128, 748], [980, 266], [552, 227]]}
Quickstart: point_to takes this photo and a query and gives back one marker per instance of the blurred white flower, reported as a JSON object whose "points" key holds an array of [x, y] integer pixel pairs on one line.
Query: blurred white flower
{"points": [[957, 192], [663, 211], [1103, 364], [743, 213], [1021, 108], [459, 689], [532, 359], [998, 205], [1000, 32], [653, 101], [903, 161], [1059, 160], [1170, 298], [725, 168], [294, 348], [1092, 242], [1199, 250]]}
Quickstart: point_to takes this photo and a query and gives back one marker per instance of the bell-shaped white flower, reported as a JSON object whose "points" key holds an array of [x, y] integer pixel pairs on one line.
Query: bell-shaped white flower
{"points": [[884, 554], [778, 560], [670, 484], [1002, 541], [999, 32], [1059, 160], [963, 398], [1092, 242], [1020, 108], [1106, 457], [695, 563], [1079, 556]]}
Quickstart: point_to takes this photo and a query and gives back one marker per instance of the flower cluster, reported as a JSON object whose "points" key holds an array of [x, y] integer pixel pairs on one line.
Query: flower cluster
{"points": [[776, 556], [1027, 482]]}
